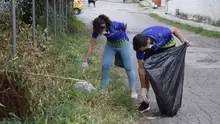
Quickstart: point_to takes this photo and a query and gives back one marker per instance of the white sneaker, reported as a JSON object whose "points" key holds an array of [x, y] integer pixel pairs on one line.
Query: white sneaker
{"points": [[134, 94]]}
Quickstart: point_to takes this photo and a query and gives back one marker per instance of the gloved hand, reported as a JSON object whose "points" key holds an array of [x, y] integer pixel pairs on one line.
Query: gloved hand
{"points": [[187, 42], [85, 65]]}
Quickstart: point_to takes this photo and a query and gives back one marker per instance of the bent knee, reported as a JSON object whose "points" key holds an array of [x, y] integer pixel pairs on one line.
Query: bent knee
{"points": [[129, 69], [106, 65]]}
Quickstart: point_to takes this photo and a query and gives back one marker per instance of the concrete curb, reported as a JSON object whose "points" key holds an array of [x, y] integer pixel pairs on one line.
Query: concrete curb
{"points": [[161, 13]]}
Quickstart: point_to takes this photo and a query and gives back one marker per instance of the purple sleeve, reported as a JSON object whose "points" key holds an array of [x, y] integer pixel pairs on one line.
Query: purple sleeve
{"points": [[94, 35], [165, 37], [139, 55]]}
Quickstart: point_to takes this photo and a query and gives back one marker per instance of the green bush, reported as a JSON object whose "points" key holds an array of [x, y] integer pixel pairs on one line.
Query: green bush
{"points": [[25, 10]]}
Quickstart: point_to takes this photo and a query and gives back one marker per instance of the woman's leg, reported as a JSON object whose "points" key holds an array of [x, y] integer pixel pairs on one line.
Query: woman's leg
{"points": [[88, 2], [109, 53], [125, 52], [94, 3]]}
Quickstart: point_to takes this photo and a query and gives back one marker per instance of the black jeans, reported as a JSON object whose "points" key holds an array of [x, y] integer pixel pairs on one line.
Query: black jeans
{"points": [[91, 1]]}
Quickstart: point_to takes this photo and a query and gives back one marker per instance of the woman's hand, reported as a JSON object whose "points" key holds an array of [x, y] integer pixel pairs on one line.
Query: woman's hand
{"points": [[90, 48], [85, 65]]}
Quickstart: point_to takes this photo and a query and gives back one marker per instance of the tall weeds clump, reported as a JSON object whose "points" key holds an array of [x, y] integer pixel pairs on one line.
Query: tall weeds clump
{"points": [[27, 84], [15, 92]]}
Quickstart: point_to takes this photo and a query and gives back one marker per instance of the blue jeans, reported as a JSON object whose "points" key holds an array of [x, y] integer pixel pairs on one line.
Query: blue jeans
{"points": [[109, 53]]}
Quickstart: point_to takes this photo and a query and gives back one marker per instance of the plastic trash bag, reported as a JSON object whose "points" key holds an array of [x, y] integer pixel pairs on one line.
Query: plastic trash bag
{"points": [[118, 60], [166, 74], [84, 86]]}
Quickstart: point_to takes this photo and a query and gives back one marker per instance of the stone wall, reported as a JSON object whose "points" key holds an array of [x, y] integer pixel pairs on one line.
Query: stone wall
{"points": [[206, 11]]}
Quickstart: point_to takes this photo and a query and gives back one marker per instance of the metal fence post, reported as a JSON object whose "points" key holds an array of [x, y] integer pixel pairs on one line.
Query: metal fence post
{"points": [[166, 6], [47, 14], [66, 4], [13, 6], [55, 21], [62, 16], [33, 20], [60, 20], [72, 4]]}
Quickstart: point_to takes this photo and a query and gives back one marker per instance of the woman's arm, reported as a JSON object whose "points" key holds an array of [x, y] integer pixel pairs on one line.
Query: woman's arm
{"points": [[89, 49]]}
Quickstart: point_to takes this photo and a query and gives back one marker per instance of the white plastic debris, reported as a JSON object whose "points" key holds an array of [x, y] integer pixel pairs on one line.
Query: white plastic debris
{"points": [[2, 105], [84, 86], [151, 118]]}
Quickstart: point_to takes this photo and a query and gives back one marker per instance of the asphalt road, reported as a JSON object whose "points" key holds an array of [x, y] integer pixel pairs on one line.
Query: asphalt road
{"points": [[201, 97]]}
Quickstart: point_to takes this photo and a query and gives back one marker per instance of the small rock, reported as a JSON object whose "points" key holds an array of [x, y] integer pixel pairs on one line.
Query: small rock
{"points": [[84, 85]]}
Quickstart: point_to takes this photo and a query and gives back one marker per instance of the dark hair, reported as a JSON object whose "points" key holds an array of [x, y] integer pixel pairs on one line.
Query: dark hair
{"points": [[139, 41], [106, 19], [98, 25]]}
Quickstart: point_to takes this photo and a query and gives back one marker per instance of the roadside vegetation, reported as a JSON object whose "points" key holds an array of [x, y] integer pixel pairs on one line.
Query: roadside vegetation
{"points": [[37, 87], [197, 30]]}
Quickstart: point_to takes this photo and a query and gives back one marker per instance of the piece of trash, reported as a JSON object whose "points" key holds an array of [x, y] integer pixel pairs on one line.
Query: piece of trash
{"points": [[82, 60], [84, 85], [151, 118], [84, 70], [2, 105]]}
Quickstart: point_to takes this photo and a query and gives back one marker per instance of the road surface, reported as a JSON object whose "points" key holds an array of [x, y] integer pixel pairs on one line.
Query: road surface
{"points": [[201, 97]]}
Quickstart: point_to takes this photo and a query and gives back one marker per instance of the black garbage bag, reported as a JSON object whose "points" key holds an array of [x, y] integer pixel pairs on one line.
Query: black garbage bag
{"points": [[166, 74], [118, 60]]}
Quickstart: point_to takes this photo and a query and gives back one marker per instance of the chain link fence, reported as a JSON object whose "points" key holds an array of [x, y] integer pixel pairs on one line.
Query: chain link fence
{"points": [[30, 29], [53, 12]]}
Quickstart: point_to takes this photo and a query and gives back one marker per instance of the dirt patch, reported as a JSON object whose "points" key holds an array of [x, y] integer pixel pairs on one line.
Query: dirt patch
{"points": [[12, 100]]}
